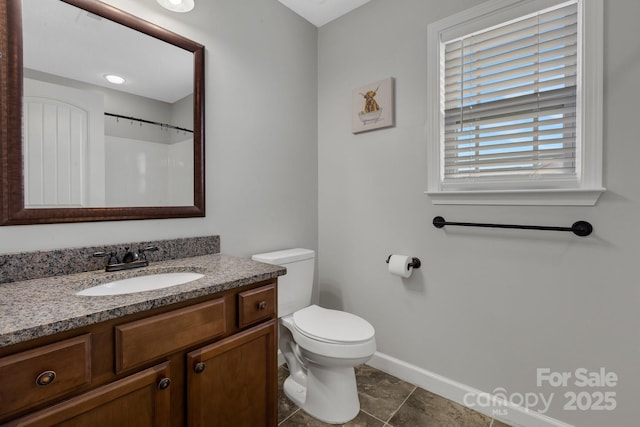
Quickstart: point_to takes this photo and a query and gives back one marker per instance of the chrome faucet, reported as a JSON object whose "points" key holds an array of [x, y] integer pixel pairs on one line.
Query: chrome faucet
{"points": [[131, 259]]}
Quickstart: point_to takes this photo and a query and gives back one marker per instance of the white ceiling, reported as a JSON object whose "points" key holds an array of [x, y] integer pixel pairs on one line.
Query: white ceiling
{"points": [[63, 40], [319, 12]]}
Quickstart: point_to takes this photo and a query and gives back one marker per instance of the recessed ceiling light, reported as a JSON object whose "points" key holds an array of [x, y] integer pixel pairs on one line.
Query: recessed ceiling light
{"points": [[177, 5], [116, 80]]}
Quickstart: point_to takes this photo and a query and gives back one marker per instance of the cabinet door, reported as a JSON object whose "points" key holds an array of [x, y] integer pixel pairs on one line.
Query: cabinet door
{"points": [[140, 400], [234, 382]]}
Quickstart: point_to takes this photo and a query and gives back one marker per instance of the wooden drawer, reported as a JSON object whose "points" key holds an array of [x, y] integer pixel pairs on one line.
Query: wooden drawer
{"points": [[141, 399], [256, 305], [44, 373], [137, 400], [148, 339]]}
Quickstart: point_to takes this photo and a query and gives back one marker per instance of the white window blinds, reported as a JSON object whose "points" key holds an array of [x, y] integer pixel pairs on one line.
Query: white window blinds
{"points": [[509, 99]]}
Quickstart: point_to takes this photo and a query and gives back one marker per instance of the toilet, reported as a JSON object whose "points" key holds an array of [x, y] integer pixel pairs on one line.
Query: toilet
{"points": [[321, 346]]}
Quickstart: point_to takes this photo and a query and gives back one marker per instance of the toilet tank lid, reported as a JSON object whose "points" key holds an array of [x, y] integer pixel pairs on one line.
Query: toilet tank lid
{"points": [[285, 256]]}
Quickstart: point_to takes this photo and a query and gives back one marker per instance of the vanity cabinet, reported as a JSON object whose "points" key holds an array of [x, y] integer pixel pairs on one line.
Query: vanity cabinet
{"points": [[208, 361]]}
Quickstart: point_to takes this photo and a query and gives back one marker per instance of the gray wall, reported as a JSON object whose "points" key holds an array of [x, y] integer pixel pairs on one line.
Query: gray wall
{"points": [[261, 134], [487, 307]]}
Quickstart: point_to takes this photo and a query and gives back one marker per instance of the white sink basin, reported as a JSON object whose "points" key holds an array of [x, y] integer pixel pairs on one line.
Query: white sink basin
{"points": [[140, 284]]}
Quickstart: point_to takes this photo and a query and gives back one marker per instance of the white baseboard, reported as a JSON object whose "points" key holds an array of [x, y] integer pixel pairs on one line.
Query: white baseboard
{"points": [[495, 407]]}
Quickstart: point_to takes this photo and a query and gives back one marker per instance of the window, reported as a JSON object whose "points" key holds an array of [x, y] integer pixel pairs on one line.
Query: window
{"points": [[513, 96]]}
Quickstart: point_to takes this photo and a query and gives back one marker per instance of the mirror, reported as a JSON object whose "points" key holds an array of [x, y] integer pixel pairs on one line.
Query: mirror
{"points": [[77, 147]]}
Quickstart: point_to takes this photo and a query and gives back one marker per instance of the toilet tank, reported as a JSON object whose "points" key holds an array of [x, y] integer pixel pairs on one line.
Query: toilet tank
{"points": [[294, 288]]}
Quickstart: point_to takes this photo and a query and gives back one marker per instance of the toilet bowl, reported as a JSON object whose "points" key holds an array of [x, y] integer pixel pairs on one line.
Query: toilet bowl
{"points": [[321, 359], [321, 346]]}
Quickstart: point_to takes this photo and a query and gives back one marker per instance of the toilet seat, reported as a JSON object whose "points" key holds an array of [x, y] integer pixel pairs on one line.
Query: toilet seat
{"points": [[332, 326]]}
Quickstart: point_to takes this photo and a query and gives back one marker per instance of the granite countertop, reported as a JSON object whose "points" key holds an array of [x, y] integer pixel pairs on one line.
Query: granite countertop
{"points": [[39, 307]]}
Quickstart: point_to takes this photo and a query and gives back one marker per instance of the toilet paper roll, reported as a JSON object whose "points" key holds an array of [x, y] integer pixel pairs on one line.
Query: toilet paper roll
{"points": [[399, 265]]}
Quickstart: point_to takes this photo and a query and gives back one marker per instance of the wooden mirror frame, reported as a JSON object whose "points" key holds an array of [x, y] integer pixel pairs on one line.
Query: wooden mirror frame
{"points": [[12, 209]]}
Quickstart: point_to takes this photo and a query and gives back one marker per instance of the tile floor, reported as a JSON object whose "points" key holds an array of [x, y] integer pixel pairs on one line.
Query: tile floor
{"points": [[386, 401]]}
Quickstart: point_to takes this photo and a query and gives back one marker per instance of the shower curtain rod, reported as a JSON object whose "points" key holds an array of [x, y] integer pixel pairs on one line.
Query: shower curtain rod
{"points": [[162, 125]]}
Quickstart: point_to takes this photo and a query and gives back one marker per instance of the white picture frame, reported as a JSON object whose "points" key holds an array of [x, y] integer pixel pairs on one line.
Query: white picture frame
{"points": [[373, 106]]}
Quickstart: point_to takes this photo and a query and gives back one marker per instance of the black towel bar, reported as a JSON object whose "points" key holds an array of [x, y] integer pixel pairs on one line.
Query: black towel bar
{"points": [[579, 228]]}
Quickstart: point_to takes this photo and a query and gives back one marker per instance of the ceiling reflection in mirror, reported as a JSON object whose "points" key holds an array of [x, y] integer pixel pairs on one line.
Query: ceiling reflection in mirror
{"points": [[88, 142]]}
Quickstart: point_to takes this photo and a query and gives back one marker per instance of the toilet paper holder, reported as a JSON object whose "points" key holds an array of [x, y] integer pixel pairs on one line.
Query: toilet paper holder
{"points": [[415, 262]]}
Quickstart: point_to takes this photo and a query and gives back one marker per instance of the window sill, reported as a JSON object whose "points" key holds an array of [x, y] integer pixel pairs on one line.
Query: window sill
{"points": [[554, 197]]}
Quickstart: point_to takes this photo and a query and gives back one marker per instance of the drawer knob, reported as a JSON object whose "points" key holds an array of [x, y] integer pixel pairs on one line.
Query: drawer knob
{"points": [[262, 305], [164, 383], [46, 378], [199, 368]]}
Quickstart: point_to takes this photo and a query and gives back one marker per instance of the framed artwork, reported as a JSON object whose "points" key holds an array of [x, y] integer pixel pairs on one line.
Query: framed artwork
{"points": [[373, 106]]}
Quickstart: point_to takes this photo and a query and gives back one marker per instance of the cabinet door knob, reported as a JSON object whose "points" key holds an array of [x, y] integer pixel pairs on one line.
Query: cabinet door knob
{"points": [[46, 378], [262, 305], [164, 383], [198, 367]]}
